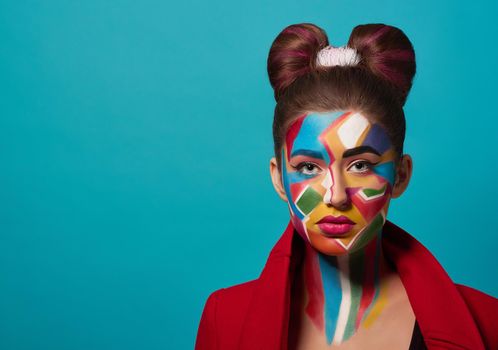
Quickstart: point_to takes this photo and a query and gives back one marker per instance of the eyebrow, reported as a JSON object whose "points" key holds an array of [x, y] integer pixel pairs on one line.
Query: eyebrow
{"points": [[307, 152], [359, 150]]}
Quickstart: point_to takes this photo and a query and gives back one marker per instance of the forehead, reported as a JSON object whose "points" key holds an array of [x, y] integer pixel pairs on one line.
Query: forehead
{"points": [[339, 130]]}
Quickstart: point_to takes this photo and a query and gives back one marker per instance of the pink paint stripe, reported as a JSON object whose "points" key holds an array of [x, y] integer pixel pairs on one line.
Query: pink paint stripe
{"points": [[376, 35], [314, 309], [292, 132]]}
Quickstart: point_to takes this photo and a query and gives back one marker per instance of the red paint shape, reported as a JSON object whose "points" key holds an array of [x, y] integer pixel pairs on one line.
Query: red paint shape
{"points": [[299, 226], [369, 209], [292, 134], [351, 191], [368, 281], [297, 188], [313, 282]]}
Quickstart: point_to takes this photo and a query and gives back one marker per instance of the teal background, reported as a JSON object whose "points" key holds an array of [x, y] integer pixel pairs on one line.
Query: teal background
{"points": [[134, 148]]}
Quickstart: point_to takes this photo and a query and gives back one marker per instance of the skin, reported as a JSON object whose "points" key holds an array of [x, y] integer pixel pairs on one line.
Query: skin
{"points": [[341, 163]]}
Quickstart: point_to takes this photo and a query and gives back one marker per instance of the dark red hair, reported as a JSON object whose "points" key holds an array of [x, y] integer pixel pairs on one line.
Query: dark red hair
{"points": [[377, 86]]}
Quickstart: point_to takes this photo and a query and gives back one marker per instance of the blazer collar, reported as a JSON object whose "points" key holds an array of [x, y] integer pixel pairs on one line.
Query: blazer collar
{"points": [[443, 317]]}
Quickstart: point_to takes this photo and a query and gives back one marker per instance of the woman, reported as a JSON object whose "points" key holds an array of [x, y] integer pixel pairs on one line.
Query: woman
{"points": [[342, 276]]}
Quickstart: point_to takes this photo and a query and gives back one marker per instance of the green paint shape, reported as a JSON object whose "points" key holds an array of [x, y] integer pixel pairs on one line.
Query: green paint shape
{"points": [[309, 200], [371, 231], [356, 265], [370, 192]]}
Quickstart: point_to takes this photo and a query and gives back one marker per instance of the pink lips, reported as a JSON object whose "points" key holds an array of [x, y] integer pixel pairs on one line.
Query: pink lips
{"points": [[335, 226]]}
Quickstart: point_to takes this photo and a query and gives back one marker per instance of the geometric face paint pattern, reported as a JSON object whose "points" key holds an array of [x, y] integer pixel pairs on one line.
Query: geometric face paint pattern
{"points": [[340, 165], [337, 166]]}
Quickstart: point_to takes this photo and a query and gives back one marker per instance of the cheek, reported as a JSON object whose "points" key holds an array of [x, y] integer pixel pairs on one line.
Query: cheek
{"points": [[302, 191], [306, 195], [371, 198]]}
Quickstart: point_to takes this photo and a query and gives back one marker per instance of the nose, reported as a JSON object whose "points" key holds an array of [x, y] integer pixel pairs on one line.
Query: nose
{"points": [[335, 194]]}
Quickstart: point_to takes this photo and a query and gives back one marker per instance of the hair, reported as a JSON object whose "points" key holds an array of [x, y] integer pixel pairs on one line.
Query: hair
{"points": [[377, 86]]}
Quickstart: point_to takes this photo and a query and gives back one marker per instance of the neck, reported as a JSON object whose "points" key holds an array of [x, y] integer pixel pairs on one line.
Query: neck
{"points": [[344, 292]]}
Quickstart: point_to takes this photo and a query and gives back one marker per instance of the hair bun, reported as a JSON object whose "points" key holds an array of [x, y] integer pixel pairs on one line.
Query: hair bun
{"points": [[385, 51], [293, 54], [388, 53]]}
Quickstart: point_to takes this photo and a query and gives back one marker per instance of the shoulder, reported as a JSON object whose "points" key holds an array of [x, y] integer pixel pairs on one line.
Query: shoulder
{"points": [[234, 294], [484, 309], [224, 311]]}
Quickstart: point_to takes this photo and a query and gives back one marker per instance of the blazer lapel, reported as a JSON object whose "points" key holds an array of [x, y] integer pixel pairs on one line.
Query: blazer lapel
{"points": [[441, 312], [443, 317], [266, 323]]}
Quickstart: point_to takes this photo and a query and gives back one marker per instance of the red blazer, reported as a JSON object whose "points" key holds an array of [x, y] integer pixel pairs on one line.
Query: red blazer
{"points": [[255, 314]]}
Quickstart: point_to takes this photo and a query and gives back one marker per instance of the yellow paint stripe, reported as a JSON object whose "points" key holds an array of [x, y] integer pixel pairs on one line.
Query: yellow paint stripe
{"points": [[380, 303]]}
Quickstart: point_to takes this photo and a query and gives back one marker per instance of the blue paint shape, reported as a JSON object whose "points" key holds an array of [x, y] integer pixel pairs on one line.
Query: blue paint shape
{"points": [[386, 170], [332, 293], [297, 176], [285, 180], [308, 137], [308, 153], [378, 139]]}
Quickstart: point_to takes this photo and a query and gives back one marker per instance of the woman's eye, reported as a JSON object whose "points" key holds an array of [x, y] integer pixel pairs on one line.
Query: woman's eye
{"points": [[307, 168], [360, 167]]}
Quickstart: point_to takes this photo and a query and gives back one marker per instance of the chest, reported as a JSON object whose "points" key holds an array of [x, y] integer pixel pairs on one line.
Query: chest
{"points": [[392, 327]]}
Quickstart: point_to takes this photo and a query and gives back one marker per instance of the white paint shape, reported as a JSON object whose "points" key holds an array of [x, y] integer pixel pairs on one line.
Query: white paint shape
{"points": [[345, 307], [364, 196], [358, 235], [327, 184], [305, 220], [351, 130], [365, 228], [340, 243]]}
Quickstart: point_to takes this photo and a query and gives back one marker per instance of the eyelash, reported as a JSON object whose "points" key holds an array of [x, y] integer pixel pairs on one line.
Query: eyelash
{"points": [[368, 165], [301, 166]]}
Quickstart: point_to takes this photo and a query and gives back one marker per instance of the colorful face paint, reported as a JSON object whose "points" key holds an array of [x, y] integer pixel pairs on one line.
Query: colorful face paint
{"points": [[344, 292], [338, 172]]}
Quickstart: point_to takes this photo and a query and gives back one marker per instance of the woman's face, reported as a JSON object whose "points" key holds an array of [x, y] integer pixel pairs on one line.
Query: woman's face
{"points": [[338, 170]]}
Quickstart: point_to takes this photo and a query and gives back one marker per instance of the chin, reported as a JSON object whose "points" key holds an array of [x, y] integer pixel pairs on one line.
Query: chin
{"points": [[327, 245], [333, 252]]}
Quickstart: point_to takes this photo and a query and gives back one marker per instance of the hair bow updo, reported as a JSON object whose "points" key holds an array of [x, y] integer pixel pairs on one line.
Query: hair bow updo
{"points": [[303, 49]]}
